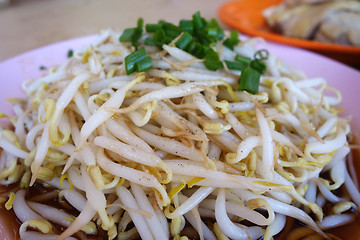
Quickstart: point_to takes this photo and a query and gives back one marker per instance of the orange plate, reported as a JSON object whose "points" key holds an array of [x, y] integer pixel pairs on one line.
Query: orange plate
{"points": [[246, 16]]}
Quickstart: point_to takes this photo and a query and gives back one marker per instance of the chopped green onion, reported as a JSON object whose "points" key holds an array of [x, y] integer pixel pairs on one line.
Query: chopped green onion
{"points": [[42, 68], [241, 59], [196, 49], [198, 37], [150, 41], [258, 66], [211, 33], [70, 53], [127, 34], [140, 23], [212, 60], [136, 37], [234, 35], [262, 54], [187, 26], [214, 24], [150, 28], [204, 39], [249, 80], [132, 59], [170, 29], [132, 34], [184, 40], [198, 21], [159, 37], [228, 43], [235, 65], [144, 64], [232, 40]]}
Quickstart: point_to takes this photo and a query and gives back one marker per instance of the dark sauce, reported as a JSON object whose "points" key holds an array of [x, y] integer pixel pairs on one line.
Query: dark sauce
{"points": [[346, 232], [10, 224]]}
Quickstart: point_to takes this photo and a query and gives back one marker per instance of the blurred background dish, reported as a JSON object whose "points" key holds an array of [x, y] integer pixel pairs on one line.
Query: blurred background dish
{"points": [[329, 21], [248, 17]]}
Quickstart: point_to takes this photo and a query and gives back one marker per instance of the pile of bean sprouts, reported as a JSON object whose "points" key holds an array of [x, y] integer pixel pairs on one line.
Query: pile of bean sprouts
{"points": [[161, 153]]}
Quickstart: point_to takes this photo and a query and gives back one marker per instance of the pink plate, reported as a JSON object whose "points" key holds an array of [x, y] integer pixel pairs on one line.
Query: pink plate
{"points": [[27, 66]]}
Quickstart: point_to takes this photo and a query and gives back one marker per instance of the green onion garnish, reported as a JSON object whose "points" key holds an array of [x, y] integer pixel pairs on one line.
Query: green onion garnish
{"points": [[258, 66], [70, 53], [241, 59], [133, 34], [42, 68], [262, 54], [184, 40], [137, 61], [212, 60], [159, 37], [197, 37], [249, 80], [198, 21], [170, 29], [233, 40], [257, 63], [187, 26], [250, 76], [150, 28], [211, 33], [219, 32], [150, 41], [127, 34], [235, 65], [144, 64], [196, 49]]}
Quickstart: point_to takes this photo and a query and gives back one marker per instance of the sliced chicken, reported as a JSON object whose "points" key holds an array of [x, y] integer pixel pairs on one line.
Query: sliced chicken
{"points": [[319, 20]]}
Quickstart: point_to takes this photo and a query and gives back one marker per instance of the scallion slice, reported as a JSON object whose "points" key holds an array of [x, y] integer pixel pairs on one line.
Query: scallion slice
{"points": [[150, 41], [187, 25], [127, 34], [144, 64], [262, 54], [150, 28], [133, 34], [258, 66], [214, 24], [249, 80], [184, 40], [235, 65], [211, 33], [241, 59], [70, 53], [233, 40], [212, 60], [137, 61], [170, 29], [198, 21], [159, 37], [196, 49]]}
